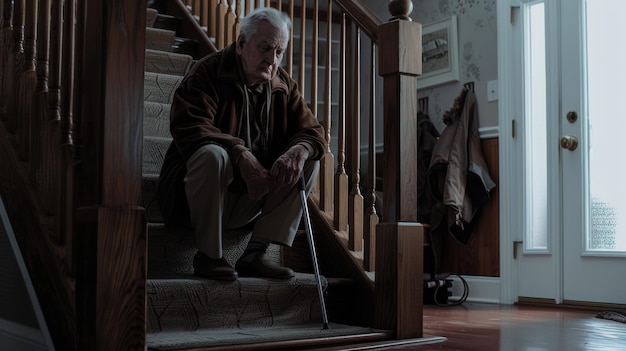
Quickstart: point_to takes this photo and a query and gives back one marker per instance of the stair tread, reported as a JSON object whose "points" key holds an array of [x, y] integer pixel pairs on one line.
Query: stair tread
{"points": [[151, 16], [154, 149], [159, 39], [160, 87], [156, 119], [301, 334], [159, 61]]}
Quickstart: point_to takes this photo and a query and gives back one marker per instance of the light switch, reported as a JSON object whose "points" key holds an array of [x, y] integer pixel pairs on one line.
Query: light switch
{"points": [[492, 90]]}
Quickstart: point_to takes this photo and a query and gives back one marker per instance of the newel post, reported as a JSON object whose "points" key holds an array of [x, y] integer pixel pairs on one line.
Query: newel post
{"points": [[399, 244]]}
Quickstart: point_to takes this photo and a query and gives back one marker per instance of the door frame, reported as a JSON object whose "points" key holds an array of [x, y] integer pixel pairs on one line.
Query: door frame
{"points": [[512, 147], [510, 179]]}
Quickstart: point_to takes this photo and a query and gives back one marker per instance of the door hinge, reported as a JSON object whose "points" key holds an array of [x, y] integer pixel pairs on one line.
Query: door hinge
{"points": [[515, 248], [513, 11], [513, 129]]}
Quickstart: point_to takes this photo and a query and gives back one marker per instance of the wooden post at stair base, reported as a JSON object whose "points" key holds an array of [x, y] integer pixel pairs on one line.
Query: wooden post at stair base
{"points": [[399, 242], [111, 229]]}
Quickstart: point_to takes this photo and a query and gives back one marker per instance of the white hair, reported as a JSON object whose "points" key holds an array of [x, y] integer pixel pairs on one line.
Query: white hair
{"points": [[279, 20]]}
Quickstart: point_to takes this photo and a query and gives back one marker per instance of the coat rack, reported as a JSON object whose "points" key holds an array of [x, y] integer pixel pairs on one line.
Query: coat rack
{"points": [[469, 86]]}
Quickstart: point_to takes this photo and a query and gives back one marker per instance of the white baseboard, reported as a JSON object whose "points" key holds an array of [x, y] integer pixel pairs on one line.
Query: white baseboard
{"points": [[481, 289]]}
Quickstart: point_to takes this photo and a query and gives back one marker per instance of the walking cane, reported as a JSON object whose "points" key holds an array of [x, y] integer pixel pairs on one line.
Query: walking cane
{"points": [[309, 232]]}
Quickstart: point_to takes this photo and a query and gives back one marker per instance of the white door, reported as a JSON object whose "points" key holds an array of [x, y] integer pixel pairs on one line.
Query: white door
{"points": [[570, 239], [594, 188]]}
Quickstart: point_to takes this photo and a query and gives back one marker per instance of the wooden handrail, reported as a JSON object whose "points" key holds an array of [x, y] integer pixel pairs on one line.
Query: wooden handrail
{"points": [[362, 16]]}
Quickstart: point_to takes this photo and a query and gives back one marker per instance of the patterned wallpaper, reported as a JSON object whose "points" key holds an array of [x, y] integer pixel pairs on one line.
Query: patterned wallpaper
{"points": [[478, 55]]}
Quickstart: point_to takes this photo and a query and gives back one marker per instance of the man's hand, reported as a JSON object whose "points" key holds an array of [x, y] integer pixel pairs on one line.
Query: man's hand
{"points": [[257, 178], [286, 170]]}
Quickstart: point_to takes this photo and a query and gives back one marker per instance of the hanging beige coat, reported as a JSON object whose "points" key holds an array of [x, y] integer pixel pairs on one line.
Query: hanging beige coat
{"points": [[457, 176]]}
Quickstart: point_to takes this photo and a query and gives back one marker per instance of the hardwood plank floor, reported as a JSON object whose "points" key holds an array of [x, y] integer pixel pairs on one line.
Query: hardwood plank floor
{"points": [[506, 327], [486, 327]]}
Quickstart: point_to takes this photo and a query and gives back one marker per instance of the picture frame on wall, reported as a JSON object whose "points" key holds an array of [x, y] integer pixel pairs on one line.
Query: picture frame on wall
{"points": [[440, 53]]}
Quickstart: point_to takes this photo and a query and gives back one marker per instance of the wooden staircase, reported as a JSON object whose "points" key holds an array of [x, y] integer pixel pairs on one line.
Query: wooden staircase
{"points": [[80, 162]]}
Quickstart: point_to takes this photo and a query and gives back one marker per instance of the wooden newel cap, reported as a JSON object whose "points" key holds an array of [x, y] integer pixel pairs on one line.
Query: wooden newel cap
{"points": [[400, 9]]}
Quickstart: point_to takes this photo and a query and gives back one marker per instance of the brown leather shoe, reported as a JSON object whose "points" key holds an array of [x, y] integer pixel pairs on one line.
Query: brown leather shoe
{"points": [[210, 268], [262, 266]]}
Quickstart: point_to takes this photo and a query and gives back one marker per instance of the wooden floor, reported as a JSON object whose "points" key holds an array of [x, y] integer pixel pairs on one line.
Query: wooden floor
{"points": [[486, 327]]}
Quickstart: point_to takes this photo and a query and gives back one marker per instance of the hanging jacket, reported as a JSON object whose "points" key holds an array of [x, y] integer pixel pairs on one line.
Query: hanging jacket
{"points": [[457, 176]]}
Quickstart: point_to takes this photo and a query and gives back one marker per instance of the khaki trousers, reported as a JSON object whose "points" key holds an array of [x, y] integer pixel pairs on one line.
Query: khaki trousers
{"points": [[214, 208]]}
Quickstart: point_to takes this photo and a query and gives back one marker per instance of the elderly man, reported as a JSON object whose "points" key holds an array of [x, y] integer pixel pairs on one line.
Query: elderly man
{"points": [[242, 137]]}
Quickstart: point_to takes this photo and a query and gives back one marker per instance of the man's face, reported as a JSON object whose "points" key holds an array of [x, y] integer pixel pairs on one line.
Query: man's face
{"points": [[261, 54]]}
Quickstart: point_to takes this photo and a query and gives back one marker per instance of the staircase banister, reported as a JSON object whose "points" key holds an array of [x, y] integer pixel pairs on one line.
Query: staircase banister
{"points": [[362, 16]]}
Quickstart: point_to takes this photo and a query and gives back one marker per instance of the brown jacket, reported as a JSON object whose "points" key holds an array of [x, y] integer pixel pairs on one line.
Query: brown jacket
{"points": [[209, 107]]}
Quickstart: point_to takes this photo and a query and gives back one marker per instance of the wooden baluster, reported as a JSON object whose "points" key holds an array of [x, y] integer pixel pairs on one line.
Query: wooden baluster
{"points": [[371, 220], [6, 61], [249, 5], [204, 14], [52, 140], [229, 23], [56, 40], [278, 5], [289, 64], [69, 152], [15, 64], [341, 177], [328, 162], [314, 56], [302, 60], [313, 84], [237, 22], [27, 81], [220, 18], [196, 8], [40, 96], [64, 174], [355, 206], [211, 7]]}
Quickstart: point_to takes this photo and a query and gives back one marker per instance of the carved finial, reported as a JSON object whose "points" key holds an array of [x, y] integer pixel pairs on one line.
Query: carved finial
{"points": [[400, 9]]}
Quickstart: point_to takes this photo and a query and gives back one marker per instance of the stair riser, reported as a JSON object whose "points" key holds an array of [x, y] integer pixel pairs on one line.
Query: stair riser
{"points": [[188, 305]]}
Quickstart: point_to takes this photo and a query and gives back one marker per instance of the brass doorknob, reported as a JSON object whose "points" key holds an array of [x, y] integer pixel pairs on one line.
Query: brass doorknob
{"points": [[569, 142]]}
